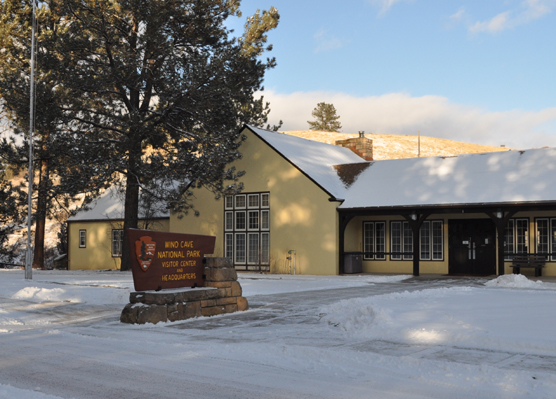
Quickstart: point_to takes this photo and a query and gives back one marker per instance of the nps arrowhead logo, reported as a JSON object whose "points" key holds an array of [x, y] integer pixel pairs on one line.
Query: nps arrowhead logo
{"points": [[145, 248]]}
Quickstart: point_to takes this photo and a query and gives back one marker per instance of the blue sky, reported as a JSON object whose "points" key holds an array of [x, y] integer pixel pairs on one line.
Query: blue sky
{"points": [[479, 71]]}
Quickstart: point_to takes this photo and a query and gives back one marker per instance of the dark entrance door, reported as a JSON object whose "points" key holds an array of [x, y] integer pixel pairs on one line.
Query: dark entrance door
{"points": [[472, 247]]}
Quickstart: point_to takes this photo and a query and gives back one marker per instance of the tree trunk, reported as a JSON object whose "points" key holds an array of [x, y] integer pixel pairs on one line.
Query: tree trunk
{"points": [[44, 176], [131, 203]]}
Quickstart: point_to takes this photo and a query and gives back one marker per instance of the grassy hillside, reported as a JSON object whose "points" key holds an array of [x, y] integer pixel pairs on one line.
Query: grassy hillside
{"points": [[389, 146]]}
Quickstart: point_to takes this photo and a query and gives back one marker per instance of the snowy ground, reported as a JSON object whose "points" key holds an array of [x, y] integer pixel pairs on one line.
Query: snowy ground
{"points": [[304, 337]]}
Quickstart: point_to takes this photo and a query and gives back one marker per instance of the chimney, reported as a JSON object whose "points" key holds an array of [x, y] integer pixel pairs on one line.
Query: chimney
{"points": [[361, 146]]}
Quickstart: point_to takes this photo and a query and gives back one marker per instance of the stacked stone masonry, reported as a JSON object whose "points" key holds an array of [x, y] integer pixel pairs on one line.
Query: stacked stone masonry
{"points": [[361, 146], [221, 294]]}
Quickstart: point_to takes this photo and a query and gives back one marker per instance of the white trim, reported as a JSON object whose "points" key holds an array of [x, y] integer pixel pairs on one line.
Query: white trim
{"points": [[83, 238]]}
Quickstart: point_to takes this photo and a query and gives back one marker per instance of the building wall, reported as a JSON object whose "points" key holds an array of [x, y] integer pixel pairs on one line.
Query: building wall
{"points": [[301, 217], [98, 251], [354, 243]]}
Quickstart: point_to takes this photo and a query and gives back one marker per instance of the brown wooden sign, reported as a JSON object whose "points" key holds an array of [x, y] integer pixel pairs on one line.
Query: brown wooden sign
{"points": [[162, 260]]}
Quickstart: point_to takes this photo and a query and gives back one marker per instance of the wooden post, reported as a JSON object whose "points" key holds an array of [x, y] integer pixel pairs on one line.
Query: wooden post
{"points": [[415, 221], [415, 227], [500, 224], [344, 220]]}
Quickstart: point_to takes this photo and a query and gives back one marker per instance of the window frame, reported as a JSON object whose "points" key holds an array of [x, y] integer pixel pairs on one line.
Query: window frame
{"points": [[246, 222], [120, 241], [375, 239], [406, 240], [550, 236], [83, 238], [515, 238]]}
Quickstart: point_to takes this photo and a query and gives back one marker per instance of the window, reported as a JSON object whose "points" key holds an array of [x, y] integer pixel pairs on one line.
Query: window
{"points": [[253, 249], [396, 240], [546, 237], [253, 200], [253, 220], [240, 220], [240, 201], [265, 220], [265, 248], [401, 237], [516, 238], [437, 240], [240, 248], [229, 221], [246, 230], [82, 238], [229, 242], [374, 240], [431, 240], [265, 200], [117, 241], [425, 240]]}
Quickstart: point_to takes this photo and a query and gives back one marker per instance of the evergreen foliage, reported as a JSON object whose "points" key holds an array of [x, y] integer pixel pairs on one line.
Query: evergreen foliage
{"points": [[53, 153], [145, 94], [326, 118]]}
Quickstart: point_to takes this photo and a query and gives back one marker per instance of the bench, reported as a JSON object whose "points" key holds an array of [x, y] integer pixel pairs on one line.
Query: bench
{"points": [[528, 261]]}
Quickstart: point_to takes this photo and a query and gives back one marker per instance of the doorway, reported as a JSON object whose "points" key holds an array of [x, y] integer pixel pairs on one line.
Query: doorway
{"points": [[472, 247]]}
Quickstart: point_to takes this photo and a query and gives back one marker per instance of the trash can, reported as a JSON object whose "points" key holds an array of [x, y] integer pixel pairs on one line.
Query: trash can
{"points": [[353, 263]]}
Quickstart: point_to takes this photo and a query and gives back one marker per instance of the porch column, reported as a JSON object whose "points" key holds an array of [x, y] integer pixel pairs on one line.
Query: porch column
{"points": [[500, 220], [415, 221], [344, 220]]}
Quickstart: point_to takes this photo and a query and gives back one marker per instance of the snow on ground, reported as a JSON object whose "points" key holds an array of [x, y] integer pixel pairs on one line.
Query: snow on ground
{"points": [[465, 317], [9, 392], [265, 284], [519, 281], [304, 337]]}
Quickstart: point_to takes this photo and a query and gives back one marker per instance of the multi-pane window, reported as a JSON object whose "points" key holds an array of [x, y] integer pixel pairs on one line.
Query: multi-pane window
{"points": [[253, 220], [246, 230], [82, 238], [229, 244], [374, 240], [437, 240], [425, 240], [546, 237], [407, 241], [117, 241], [401, 238], [396, 240], [431, 240], [516, 237]]}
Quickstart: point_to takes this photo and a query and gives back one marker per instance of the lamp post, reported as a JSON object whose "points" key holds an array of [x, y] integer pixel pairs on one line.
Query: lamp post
{"points": [[29, 254]]}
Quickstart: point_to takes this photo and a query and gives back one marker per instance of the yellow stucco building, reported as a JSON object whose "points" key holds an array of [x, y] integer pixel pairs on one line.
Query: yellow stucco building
{"points": [[325, 209]]}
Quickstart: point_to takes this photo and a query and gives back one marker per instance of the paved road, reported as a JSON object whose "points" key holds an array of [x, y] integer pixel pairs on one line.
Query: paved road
{"points": [[92, 355]]}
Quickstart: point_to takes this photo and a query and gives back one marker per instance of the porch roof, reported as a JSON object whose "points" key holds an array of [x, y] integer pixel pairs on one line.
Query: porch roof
{"points": [[491, 178]]}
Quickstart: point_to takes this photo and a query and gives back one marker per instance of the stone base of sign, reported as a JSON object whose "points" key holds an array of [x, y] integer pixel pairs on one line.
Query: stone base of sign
{"points": [[221, 294]]}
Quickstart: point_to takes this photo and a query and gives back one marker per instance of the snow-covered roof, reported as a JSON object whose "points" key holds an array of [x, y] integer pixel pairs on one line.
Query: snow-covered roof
{"points": [[313, 158], [490, 178], [110, 206]]}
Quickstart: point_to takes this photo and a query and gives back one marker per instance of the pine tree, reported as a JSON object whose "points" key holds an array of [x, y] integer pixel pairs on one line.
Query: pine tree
{"points": [[53, 155], [326, 118], [155, 94]]}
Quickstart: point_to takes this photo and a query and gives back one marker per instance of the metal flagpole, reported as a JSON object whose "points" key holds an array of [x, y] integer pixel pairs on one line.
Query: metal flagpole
{"points": [[29, 254]]}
